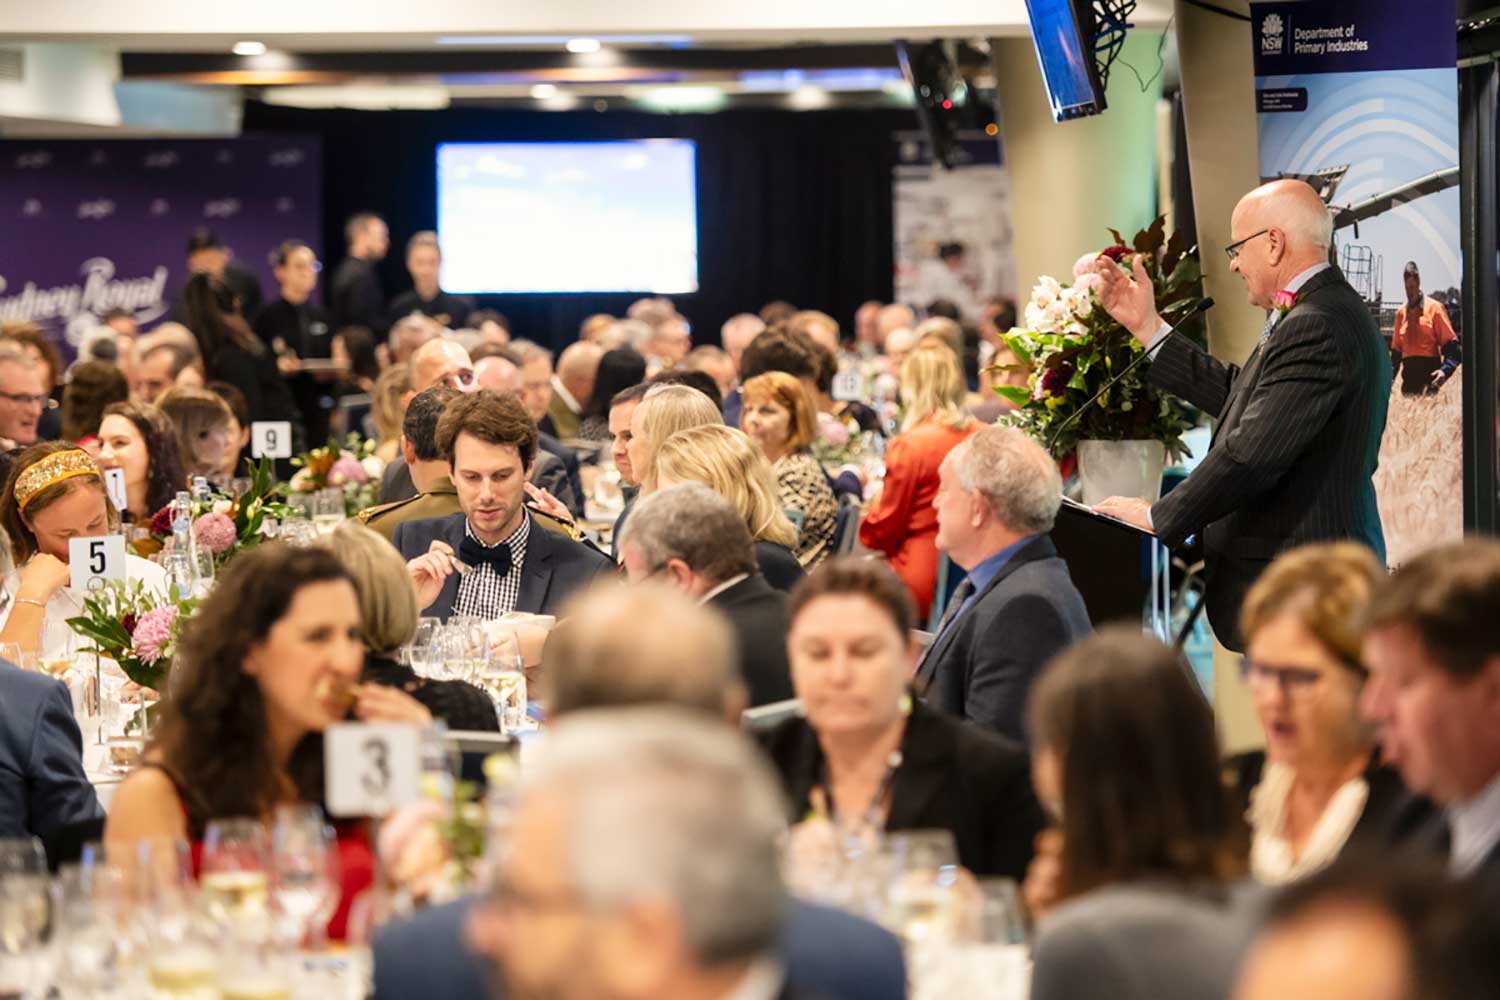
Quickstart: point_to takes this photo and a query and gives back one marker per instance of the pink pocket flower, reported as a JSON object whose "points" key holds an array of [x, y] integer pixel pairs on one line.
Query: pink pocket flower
{"points": [[1284, 301]]}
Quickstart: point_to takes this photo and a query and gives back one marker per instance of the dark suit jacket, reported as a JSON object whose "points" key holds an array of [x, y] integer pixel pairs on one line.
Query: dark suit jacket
{"points": [[545, 442], [778, 565], [1296, 444], [981, 667], [828, 953], [758, 615], [43, 789], [953, 776], [553, 569]]}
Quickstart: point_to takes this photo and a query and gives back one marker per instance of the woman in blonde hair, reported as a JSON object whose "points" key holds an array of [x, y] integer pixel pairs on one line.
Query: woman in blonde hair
{"points": [[664, 411], [777, 414], [725, 460], [900, 521], [1319, 786], [386, 410]]}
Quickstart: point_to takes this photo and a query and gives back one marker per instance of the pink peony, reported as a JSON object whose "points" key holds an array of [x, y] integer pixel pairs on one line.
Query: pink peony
{"points": [[153, 632], [833, 430], [1084, 265], [347, 470], [215, 532]]}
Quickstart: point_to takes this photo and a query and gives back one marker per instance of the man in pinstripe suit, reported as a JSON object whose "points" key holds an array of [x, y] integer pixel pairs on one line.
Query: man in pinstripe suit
{"points": [[1298, 426]]}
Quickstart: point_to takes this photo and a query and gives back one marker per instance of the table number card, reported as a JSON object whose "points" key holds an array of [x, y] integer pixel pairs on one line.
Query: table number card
{"points": [[271, 439], [114, 486], [371, 769], [93, 562], [848, 387]]}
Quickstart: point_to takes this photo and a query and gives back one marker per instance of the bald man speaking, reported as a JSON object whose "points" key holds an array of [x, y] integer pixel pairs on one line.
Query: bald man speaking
{"points": [[1298, 426]]}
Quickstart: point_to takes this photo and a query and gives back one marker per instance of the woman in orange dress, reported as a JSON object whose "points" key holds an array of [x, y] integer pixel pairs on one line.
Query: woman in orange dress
{"points": [[899, 520]]}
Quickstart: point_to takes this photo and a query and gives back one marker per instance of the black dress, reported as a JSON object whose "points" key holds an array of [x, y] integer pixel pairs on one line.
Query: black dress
{"points": [[953, 776], [459, 704], [450, 310], [305, 331]]}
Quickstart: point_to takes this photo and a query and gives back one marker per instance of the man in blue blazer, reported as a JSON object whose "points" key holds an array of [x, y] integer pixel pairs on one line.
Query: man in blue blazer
{"points": [[491, 558], [997, 498], [43, 790]]}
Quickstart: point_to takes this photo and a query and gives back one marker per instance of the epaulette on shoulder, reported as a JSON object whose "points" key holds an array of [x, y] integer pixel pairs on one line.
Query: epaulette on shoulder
{"points": [[554, 523], [381, 508]]}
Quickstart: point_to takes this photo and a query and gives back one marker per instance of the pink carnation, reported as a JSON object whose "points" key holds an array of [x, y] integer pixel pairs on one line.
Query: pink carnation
{"points": [[153, 632], [347, 470], [833, 430], [214, 531]]}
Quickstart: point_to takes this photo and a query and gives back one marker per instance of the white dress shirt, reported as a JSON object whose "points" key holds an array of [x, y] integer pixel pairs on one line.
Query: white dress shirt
{"points": [[1475, 825]]}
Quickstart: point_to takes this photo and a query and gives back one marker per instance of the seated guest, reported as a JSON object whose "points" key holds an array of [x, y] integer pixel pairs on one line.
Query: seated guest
{"points": [[436, 495], [44, 354], [688, 816], [663, 411], [239, 428], [407, 334], [773, 350], [205, 430], [91, 387], [353, 350], [271, 659], [388, 621], [500, 369], [163, 366], [854, 415], [998, 493], [695, 540], [1126, 761], [1433, 653], [23, 397], [491, 443], [142, 442], [872, 756], [54, 493], [736, 334], [778, 417], [724, 459], [681, 375], [572, 389], [43, 790], [1319, 787], [618, 370], [621, 431], [819, 327], [901, 521], [1367, 931], [715, 362], [438, 362], [386, 409]]}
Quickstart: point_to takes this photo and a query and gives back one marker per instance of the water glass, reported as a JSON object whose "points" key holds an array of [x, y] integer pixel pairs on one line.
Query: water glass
{"points": [[419, 650], [92, 943], [922, 899], [304, 869], [298, 530], [203, 572], [327, 509], [181, 573], [25, 917]]}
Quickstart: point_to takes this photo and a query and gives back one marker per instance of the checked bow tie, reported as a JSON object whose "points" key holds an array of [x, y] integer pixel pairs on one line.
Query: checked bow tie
{"points": [[476, 555]]}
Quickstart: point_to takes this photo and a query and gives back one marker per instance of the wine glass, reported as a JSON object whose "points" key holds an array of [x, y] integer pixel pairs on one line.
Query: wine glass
{"points": [[419, 650], [922, 897], [59, 641], [25, 914], [203, 572], [181, 574], [504, 680], [235, 871], [88, 940], [179, 940], [304, 867], [327, 509]]}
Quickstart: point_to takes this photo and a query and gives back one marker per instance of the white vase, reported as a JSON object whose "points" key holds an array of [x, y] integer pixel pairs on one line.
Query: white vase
{"points": [[1121, 469]]}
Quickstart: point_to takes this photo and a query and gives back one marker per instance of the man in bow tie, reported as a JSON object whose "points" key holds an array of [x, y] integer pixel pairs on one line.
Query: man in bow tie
{"points": [[1298, 425], [486, 560]]}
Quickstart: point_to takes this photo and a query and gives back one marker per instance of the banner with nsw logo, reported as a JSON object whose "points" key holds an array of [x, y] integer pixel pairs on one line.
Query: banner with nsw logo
{"points": [[1360, 99], [92, 226]]}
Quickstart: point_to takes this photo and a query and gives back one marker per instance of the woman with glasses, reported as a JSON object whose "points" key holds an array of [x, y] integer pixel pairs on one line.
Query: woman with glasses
{"points": [[1319, 786]]}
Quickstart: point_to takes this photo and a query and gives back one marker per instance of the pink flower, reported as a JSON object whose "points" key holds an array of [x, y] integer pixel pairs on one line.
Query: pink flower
{"points": [[214, 531], [347, 470], [1285, 300], [833, 430], [1084, 265], [153, 632]]}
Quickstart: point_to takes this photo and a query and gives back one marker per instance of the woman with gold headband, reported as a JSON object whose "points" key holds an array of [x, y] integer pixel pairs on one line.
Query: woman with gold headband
{"points": [[55, 493]]}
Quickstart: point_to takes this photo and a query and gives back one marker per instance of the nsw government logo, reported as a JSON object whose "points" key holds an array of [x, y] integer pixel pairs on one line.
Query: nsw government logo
{"points": [[1271, 35]]}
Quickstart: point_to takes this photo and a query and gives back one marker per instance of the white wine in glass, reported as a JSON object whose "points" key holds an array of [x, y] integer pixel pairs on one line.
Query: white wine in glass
{"points": [[235, 893]]}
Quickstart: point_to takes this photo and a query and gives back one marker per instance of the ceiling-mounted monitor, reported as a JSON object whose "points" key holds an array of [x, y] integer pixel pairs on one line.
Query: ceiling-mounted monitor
{"points": [[1063, 32]]}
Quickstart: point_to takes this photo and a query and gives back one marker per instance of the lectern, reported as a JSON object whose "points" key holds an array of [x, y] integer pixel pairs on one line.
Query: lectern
{"points": [[1121, 571]]}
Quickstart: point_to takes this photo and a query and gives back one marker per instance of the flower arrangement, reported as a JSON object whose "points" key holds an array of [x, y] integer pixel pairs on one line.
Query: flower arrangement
{"points": [[1072, 347], [430, 848], [352, 466], [225, 524], [135, 627]]}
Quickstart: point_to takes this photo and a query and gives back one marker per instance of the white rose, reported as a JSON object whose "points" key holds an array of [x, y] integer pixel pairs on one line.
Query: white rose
{"points": [[223, 506], [373, 466]]}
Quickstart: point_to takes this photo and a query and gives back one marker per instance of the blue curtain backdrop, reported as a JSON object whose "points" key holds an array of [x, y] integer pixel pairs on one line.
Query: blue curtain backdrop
{"points": [[791, 205]]}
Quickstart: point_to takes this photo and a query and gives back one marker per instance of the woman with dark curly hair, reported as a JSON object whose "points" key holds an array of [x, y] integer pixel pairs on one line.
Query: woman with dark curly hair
{"points": [[271, 659], [140, 440]]}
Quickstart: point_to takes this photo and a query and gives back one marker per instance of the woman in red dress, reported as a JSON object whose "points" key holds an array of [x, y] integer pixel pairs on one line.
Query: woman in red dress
{"points": [[899, 520], [271, 658]]}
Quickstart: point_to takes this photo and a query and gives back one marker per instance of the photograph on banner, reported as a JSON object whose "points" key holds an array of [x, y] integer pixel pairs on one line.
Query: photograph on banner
{"points": [[953, 235], [99, 225], [1360, 99]]}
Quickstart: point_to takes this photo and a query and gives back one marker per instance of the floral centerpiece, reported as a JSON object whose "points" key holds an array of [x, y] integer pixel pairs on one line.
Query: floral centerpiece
{"points": [[1072, 347], [430, 850], [225, 524], [353, 467], [135, 627]]}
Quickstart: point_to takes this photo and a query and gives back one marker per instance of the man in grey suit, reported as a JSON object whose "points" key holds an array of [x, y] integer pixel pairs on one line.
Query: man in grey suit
{"points": [[997, 498], [486, 560], [1299, 426], [43, 789]]}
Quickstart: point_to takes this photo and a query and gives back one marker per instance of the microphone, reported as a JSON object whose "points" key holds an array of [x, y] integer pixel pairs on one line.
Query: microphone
{"points": [[1171, 332]]}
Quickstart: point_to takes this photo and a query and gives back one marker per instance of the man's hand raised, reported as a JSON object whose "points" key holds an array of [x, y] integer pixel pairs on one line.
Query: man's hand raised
{"points": [[1130, 300]]}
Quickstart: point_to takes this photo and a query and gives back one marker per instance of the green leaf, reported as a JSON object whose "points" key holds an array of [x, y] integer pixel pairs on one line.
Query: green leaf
{"points": [[1014, 393]]}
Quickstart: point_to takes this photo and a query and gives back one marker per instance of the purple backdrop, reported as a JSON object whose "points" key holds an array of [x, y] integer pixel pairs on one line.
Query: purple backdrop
{"points": [[91, 225]]}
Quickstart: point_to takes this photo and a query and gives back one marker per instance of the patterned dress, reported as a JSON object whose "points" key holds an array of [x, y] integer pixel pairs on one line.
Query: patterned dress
{"points": [[802, 487]]}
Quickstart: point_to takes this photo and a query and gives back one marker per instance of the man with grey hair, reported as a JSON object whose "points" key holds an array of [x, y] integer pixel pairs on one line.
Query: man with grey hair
{"points": [[737, 332], [1299, 425], [408, 334], [572, 388], [23, 396], [695, 540], [643, 862], [998, 494]]}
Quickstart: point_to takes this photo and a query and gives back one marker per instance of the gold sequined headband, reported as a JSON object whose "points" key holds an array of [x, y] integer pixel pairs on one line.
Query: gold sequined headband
{"points": [[53, 469]]}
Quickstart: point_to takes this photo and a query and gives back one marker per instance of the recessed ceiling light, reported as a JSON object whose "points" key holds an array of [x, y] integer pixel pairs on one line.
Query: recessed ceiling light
{"points": [[249, 48], [542, 91], [583, 46]]}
